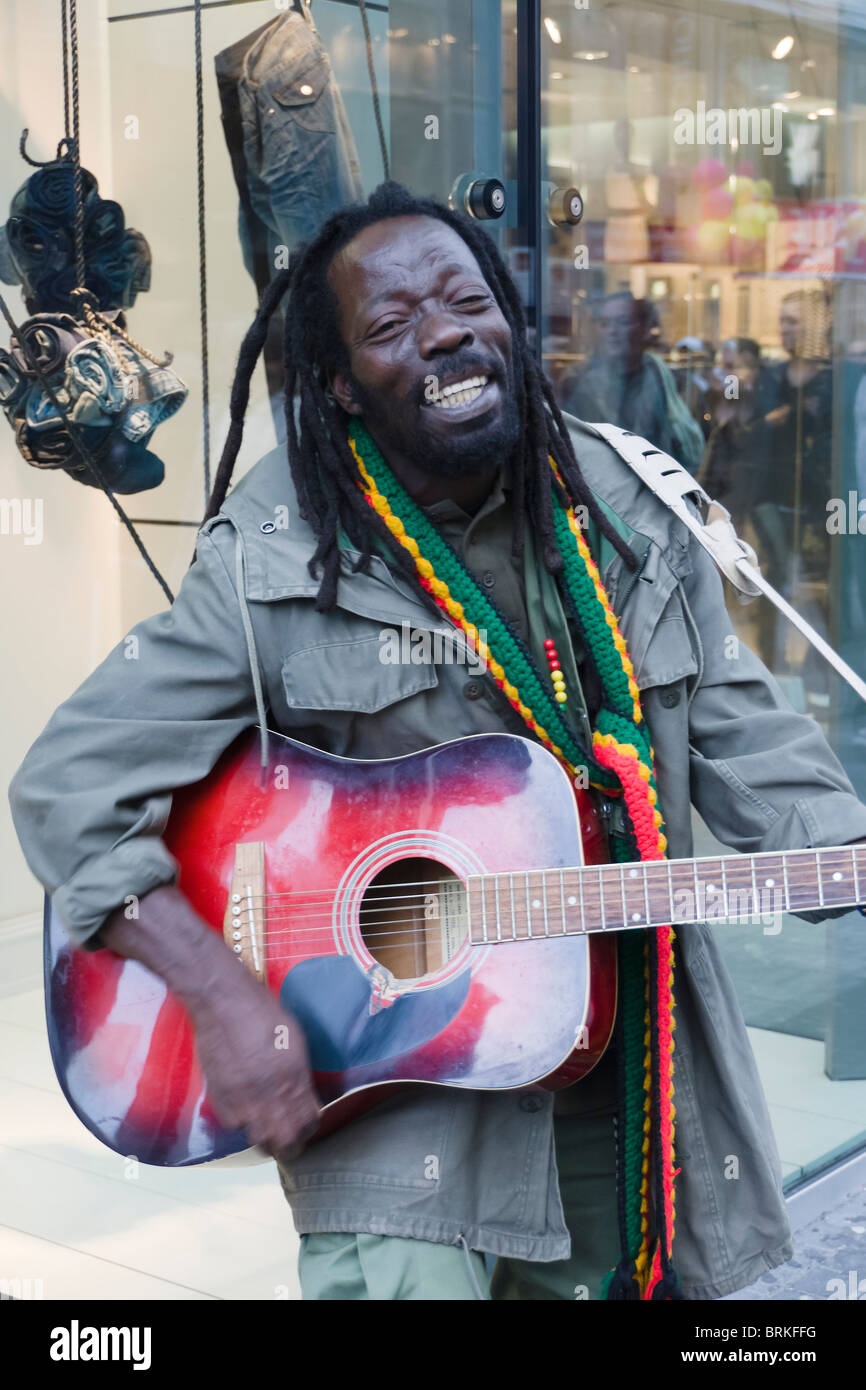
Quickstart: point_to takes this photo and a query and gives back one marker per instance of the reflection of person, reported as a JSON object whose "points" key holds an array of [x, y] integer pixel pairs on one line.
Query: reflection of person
{"points": [[792, 488], [695, 357], [795, 484], [421, 471], [630, 386], [736, 448]]}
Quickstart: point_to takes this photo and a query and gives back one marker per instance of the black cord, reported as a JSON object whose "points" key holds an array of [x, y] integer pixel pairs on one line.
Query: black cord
{"points": [[64, 25], [202, 253], [80, 269], [374, 87], [203, 308]]}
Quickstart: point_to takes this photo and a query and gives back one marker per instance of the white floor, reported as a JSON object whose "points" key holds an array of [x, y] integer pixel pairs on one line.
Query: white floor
{"points": [[73, 1217]]}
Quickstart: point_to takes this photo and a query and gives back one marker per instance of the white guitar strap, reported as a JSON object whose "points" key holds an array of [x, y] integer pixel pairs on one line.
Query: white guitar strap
{"points": [[672, 484]]}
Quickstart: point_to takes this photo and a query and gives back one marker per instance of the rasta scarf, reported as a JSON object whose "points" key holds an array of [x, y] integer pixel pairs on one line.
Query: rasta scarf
{"points": [[620, 763]]}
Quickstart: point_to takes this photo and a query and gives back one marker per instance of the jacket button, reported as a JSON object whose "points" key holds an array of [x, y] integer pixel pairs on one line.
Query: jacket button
{"points": [[473, 690], [488, 579], [669, 698], [531, 1104]]}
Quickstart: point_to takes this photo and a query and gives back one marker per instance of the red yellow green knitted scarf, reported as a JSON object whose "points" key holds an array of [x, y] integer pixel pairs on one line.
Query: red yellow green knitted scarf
{"points": [[620, 763]]}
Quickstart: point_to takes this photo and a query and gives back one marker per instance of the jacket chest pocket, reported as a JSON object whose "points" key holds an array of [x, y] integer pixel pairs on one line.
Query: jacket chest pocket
{"points": [[353, 673], [665, 652], [304, 95]]}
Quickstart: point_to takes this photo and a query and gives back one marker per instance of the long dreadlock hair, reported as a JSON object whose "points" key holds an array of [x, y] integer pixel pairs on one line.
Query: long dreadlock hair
{"points": [[323, 468]]}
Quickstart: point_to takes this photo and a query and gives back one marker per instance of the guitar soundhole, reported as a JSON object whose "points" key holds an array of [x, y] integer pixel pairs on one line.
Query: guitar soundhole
{"points": [[413, 917]]}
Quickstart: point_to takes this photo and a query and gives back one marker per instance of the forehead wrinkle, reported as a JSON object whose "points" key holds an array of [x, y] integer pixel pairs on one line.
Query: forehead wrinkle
{"points": [[365, 263]]}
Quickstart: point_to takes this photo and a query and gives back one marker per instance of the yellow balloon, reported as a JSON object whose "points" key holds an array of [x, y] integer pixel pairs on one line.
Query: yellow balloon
{"points": [[714, 238], [749, 220], [743, 188]]}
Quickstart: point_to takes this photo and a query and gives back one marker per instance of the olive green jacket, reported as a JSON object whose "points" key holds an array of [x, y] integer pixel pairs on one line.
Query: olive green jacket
{"points": [[90, 805]]}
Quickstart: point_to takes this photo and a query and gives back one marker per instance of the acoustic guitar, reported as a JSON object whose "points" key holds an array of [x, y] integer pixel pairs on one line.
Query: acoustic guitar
{"points": [[446, 917]]}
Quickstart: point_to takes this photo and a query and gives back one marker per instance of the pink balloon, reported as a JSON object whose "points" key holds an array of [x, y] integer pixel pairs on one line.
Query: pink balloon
{"points": [[716, 203], [709, 173]]}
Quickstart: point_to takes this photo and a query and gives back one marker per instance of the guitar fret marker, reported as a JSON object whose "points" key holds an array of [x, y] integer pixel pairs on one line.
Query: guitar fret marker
{"points": [[820, 879], [769, 883], [572, 901], [837, 877]]}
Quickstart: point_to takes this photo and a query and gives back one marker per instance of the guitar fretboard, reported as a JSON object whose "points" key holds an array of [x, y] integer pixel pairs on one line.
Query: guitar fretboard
{"points": [[614, 897]]}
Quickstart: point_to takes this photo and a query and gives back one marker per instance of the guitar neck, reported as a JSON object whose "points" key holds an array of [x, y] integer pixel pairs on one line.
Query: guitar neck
{"points": [[616, 897]]}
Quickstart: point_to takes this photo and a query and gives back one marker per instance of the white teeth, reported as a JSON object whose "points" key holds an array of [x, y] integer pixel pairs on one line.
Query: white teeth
{"points": [[460, 393]]}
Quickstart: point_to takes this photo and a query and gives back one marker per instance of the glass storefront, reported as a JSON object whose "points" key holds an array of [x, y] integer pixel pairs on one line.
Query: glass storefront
{"points": [[679, 193]]}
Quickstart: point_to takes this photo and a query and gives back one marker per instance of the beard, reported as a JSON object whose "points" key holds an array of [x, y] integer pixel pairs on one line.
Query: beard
{"points": [[405, 427]]}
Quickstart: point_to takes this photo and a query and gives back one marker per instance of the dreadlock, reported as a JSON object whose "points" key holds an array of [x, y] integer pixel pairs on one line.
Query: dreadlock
{"points": [[322, 465]]}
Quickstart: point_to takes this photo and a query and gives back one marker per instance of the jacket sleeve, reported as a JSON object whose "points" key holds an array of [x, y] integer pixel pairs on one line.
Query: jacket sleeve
{"points": [[762, 776], [93, 795]]}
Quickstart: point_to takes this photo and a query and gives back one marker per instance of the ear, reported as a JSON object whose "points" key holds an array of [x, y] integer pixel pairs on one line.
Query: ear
{"points": [[342, 393]]}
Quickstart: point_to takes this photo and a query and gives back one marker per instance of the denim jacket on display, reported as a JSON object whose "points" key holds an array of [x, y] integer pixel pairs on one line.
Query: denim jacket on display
{"points": [[90, 807], [292, 150]]}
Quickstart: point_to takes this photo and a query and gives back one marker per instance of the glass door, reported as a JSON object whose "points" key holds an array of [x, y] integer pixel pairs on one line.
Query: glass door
{"points": [[711, 300]]}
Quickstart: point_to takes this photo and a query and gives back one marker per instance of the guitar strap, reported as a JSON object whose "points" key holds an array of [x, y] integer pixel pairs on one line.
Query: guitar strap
{"points": [[675, 486]]}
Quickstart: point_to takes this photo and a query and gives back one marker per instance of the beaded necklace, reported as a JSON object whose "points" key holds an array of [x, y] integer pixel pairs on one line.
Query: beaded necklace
{"points": [[620, 762]]}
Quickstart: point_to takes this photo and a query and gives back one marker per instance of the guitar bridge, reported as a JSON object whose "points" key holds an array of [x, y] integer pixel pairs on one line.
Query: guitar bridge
{"points": [[244, 921]]}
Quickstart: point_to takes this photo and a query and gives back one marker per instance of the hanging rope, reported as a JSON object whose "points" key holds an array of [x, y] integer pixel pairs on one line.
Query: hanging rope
{"points": [[80, 270], [64, 25], [374, 87], [202, 257]]}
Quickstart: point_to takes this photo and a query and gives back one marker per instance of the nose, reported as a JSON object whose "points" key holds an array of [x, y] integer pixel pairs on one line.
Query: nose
{"points": [[441, 332]]}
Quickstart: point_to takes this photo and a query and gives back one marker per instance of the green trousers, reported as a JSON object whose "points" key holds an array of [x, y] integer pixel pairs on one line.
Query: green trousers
{"points": [[347, 1266]]}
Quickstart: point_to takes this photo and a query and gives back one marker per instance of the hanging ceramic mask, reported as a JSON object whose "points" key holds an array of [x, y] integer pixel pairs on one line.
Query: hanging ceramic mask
{"points": [[37, 244], [109, 389]]}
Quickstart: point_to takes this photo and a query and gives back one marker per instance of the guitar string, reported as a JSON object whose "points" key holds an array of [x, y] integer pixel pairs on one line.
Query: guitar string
{"points": [[679, 866], [519, 919], [420, 938], [323, 898], [712, 869]]}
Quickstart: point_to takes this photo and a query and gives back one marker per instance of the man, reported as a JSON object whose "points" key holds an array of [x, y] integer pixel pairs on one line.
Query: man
{"points": [[629, 385], [401, 314], [736, 449]]}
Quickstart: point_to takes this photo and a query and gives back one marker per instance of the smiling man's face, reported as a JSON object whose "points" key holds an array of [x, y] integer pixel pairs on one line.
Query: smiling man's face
{"points": [[419, 320]]}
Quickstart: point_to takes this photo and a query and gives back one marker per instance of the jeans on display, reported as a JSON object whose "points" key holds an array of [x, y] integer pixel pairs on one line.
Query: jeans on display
{"points": [[293, 154]]}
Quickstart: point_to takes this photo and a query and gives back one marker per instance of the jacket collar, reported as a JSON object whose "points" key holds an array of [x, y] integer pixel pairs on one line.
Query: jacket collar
{"points": [[278, 543]]}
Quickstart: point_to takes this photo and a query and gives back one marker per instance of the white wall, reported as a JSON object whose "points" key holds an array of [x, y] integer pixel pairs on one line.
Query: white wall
{"points": [[60, 600]]}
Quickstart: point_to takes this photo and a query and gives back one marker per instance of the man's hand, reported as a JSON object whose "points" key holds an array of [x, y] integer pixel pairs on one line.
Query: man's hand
{"points": [[253, 1054], [254, 1057]]}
